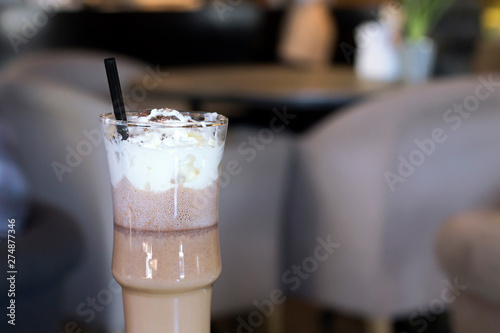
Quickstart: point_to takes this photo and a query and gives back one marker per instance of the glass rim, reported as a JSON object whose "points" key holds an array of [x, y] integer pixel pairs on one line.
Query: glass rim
{"points": [[109, 118]]}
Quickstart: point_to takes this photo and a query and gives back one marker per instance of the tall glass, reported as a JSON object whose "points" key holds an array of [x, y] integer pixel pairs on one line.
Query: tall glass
{"points": [[165, 180]]}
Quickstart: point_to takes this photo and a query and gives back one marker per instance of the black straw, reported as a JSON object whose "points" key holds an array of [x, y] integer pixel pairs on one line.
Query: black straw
{"points": [[116, 95]]}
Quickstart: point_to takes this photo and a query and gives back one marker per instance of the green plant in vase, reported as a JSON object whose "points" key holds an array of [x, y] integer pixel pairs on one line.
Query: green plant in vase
{"points": [[419, 51], [422, 16]]}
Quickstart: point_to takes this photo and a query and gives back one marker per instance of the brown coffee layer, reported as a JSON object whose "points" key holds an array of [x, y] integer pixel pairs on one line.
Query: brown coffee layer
{"points": [[166, 261]]}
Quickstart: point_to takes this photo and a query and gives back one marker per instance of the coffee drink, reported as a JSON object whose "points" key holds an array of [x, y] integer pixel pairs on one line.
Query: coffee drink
{"points": [[165, 179]]}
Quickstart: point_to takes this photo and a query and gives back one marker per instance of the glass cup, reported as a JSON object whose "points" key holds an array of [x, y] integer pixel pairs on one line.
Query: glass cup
{"points": [[165, 180]]}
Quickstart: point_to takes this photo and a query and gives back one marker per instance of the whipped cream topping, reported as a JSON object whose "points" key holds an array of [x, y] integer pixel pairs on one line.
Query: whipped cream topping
{"points": [[168, 115], [159, 158]]}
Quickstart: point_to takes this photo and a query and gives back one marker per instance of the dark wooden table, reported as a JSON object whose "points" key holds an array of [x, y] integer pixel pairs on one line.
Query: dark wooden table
{"points": [[266, 86]]}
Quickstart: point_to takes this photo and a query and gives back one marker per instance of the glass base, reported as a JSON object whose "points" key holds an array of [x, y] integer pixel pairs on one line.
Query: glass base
{"points": [[186, 312]]}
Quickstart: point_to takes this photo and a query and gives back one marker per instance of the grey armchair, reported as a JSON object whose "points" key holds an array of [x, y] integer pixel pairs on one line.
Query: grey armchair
{"points": [[381, 179], [468, 249]]}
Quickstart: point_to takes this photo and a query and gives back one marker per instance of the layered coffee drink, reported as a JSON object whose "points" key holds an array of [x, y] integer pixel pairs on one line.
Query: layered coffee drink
{"points": [[165, 179]]}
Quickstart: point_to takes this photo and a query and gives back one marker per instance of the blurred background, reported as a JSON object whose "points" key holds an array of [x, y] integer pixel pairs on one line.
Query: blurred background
{"points": [[366, 130]]}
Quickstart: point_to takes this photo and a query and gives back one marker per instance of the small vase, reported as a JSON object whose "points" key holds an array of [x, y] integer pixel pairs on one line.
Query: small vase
{"points": [[419, 57]]}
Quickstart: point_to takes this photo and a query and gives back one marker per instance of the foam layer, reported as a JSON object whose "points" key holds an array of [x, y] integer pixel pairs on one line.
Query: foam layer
{"points": [[179, 208], [158, 158]]}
